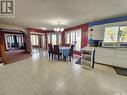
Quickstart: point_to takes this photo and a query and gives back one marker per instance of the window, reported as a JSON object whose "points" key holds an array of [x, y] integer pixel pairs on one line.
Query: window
{"points": [[59, 39], [49, 40], [19, 40], [34, 40], [68, 38], [53, 39], [74, 37], [14, 41], [11, 38], [43, 41], [78, 41]]}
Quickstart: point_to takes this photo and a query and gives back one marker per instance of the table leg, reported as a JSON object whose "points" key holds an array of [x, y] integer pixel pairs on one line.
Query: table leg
{"points": [[64, 57]]}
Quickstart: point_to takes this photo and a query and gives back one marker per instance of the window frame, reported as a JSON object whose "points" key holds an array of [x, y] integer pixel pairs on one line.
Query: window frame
{"points": [[72, 34]]}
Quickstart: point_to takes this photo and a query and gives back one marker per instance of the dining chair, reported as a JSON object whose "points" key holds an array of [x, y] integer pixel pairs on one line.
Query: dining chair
{"points": [[67, 45], [50, 50], [71, 52], [57, 52]]}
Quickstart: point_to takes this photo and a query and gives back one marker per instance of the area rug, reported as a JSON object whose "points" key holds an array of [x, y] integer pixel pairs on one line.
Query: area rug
{"points": [[16, 55], [78, 61], [121, 71]]}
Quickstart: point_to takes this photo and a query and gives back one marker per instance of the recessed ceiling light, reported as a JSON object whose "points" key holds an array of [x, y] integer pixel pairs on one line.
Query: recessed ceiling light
{"points": [[54, 21]]}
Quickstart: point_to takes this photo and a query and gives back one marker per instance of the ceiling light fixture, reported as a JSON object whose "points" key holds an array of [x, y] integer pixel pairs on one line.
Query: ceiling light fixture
{"points": [[59, 28]]}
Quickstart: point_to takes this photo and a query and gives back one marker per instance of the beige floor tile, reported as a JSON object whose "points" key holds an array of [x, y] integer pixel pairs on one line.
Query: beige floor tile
{"points": [[39, 75]]}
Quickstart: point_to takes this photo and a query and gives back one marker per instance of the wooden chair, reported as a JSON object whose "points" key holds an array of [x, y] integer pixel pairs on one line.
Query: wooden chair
{"points": [[71, 52], [50, 50], [56, 51], [67, 45]]}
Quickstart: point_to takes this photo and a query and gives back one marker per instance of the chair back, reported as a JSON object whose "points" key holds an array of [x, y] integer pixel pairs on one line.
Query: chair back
{"points": [[56, 49], [67, 45], [50, 48], [71, 50]]}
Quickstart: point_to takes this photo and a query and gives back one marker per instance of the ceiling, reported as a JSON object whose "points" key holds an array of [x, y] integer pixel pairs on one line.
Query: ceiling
{"points": [[46, 13]]}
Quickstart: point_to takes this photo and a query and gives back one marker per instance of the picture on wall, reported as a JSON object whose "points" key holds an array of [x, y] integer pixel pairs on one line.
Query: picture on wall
{"points": [[111, 34], [123, 34]]}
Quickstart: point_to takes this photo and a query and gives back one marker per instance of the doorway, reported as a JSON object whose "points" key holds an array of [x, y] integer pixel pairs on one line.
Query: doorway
{"points": [[35, 43], [38, 42]]}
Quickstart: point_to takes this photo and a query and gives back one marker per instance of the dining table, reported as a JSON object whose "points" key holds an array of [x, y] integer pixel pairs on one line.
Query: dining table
{"points": [[64, 51]]}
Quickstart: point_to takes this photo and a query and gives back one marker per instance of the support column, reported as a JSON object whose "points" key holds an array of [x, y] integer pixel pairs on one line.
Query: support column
{"points": [[3, 54], [27, 41], [2, 48]]}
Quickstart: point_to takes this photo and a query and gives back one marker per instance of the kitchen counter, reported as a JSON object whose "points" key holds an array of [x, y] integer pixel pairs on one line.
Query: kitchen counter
{"points": [[110, 56]]}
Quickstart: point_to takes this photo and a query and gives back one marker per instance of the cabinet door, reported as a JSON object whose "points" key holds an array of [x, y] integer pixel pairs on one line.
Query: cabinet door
{"points": [[104, 56], [120, 58], [104, 60]]}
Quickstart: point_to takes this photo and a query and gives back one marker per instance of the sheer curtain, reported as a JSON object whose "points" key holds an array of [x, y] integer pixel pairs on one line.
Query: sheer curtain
{"points": [[54, 38], [34, 40]]}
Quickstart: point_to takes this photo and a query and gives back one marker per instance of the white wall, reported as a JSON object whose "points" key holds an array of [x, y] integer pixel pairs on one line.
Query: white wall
{"points": [[98, 31]]}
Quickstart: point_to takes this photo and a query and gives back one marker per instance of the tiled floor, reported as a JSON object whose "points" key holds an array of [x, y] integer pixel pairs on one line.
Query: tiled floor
{"points": [[39, 75]]}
